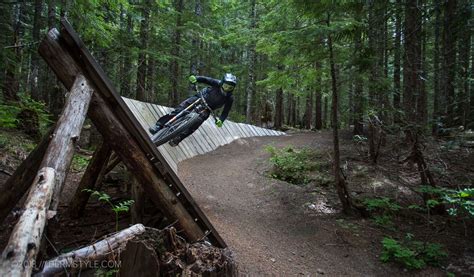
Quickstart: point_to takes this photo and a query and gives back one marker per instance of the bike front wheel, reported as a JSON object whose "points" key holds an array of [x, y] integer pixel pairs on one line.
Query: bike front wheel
{"points": [[179, 126]]}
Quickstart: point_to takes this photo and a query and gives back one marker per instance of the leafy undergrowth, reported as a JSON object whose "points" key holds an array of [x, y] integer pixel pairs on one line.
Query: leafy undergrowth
{"points": [[299, 166]]}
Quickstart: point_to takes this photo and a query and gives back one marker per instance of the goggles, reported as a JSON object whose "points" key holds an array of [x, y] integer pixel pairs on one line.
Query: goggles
{"points": [[227, 87]]}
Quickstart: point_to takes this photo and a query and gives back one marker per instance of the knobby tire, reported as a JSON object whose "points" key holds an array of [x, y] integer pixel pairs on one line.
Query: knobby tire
{"points": [[166, 134]]}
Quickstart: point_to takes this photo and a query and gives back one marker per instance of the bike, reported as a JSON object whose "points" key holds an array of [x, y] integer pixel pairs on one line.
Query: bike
{"points": [[182, 121]]}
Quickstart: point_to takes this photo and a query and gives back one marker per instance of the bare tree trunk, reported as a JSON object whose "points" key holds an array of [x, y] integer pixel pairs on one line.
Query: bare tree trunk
{"points": [[325, 112], [175, 70], [142, 59], [412, 59], [35, 93], [339, 181], [358, 90], [11, 84], [252, 56], [449, 59], [436, 69], [279, 111], [464, 53], [309, 110], [396, 62], [196, 47], [125, 75]]}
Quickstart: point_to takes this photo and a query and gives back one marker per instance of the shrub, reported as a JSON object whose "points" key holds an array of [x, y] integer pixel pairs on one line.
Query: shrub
{"points": [[292, 165], [412, 254], [460, 201]]}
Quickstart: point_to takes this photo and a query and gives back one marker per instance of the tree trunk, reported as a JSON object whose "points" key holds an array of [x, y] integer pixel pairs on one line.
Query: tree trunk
{"points": [[436, 71], [175, 70], [125, 75], [309, 110], [464, 55], [142, 59], [325, 112], [101, 250], [35, 93], [339, 181], [252, 56], [89, 180], [24, 242], [11, 84], [396, 62], [411, 59], [279, 111], [358, 90], [449, 59]]}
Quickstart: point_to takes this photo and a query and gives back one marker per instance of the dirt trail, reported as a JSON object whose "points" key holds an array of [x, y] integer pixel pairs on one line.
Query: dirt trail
{"points": [[268, 224]]}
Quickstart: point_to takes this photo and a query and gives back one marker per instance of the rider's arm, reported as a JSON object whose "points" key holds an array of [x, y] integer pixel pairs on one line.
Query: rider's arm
{"points": [[227, 107], [208, 81]]}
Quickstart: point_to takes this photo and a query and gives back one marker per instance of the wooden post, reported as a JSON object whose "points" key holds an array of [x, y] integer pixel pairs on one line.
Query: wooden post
{"points": [[138, 208], [25, 240], [91, 177], [98, 251], [19, 183]]}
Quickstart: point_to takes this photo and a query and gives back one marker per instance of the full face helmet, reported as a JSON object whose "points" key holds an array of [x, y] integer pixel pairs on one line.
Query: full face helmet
{"points": [[228, 82]]}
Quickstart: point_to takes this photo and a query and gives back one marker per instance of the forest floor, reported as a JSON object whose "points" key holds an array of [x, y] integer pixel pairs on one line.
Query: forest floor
{"points": [[277, 228]]}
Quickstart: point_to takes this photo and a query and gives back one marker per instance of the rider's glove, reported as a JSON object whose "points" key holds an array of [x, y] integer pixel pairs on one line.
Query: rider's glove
{"points": [[219, 123], [192, 79]]}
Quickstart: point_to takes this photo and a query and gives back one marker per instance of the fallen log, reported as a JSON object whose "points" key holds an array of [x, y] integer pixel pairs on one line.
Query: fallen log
{"points": [[24, 243], [87, 256], [19, 183], [19, 255], [90, 180]]}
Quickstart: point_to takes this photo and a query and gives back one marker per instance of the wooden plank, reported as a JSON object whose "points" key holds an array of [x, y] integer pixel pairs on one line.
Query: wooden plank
{"points": [[70, 43]]}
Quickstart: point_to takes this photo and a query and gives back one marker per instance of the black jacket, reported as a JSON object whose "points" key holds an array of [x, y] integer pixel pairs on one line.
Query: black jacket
{"points": [[215, 97]]}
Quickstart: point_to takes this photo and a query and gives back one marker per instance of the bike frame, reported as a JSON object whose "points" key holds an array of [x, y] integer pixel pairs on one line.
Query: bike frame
{"points": [[188, 108]]}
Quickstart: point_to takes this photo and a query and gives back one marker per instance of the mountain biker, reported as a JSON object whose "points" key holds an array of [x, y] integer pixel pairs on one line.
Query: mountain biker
{"points": [[217, 94]]}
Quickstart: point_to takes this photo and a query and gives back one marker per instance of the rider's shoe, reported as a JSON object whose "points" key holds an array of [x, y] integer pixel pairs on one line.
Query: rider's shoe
{"points": [[174, 142], [154, 129]]}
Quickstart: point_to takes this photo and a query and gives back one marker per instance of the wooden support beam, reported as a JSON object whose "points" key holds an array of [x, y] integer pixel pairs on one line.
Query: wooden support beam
{"points": [[112, 164], [99, 251], [25, 240], [19, 183], [140, 166], [92, 176]]}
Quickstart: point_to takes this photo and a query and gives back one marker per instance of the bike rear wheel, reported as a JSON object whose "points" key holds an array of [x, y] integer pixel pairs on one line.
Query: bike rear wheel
{"points": [[180, 125]]}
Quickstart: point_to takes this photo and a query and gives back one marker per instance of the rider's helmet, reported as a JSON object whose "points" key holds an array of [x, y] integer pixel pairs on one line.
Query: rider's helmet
{"points": [[228, 82]]}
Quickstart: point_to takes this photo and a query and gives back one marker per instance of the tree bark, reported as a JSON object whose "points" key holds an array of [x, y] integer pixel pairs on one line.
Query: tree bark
{"points": [[175, 52], [142, 59], [411, 59], [279, 112], [309, 110], [396, 63], [101, 250], [19, 255], [34, 88], [339, 181], [358, 90], [90, 180], [464, 55], [449, 59], [11, 84], [252, 56]]}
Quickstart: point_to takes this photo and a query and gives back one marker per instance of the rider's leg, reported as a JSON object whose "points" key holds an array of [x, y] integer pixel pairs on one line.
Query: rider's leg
{"points": [[202, 117]]}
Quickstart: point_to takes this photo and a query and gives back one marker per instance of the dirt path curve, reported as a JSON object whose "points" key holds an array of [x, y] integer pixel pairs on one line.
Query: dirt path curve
{"points": [[267, 223]]}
